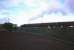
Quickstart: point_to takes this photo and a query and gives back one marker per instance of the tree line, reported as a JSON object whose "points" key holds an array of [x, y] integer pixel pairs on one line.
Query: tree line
{"points": [[8, 26]]}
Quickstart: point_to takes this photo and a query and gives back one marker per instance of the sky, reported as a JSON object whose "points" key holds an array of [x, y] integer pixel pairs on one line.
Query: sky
{"points": [[36, 11]]}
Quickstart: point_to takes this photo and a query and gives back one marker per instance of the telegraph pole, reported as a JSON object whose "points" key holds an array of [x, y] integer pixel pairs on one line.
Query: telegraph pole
{"points": [[8, 19]]}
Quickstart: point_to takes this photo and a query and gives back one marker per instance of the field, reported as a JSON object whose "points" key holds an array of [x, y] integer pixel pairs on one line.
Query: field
{"points": [[54, 40]]}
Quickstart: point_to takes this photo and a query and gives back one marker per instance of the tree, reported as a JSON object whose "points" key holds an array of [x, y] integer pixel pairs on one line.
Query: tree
{"points": [[9, 26]]}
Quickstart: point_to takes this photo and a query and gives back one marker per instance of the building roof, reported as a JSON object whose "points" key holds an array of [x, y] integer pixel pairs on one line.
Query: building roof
{"points": [[46, 24]]}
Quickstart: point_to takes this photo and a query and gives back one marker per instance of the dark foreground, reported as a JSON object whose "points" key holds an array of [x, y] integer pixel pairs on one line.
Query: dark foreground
{"points": [[27, 41]]}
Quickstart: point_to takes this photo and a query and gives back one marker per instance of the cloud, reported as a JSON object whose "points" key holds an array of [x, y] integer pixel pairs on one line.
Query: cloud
{"points": [[3, 20], [54, 18], [25, 11], [70, 5]]}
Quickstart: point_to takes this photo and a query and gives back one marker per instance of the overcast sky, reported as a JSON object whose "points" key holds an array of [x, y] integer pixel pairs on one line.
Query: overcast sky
{"points": [[36, 11]]}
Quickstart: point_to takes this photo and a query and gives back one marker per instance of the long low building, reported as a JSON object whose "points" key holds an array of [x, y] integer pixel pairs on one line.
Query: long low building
{"points": [[44, 27], [53, 24]]}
